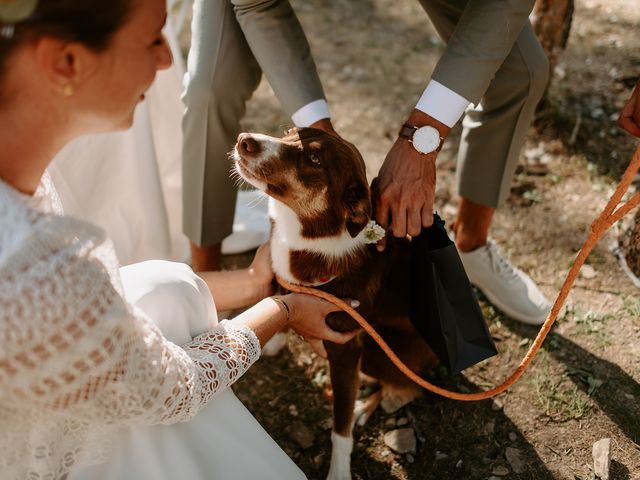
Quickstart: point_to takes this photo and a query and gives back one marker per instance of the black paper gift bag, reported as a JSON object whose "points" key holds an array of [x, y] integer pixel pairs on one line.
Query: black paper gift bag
{"points": [[444, 308]]}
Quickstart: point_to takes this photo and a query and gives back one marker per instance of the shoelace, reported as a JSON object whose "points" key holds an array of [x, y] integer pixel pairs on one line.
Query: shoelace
{"points": [[499, 263]]}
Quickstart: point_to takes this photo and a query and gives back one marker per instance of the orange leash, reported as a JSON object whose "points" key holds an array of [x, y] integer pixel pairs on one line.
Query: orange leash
{"points": [[609, 216]]}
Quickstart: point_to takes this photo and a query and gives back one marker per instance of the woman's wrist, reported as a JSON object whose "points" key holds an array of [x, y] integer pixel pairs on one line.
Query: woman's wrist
{"points": [[284, 308], [262, 286]]}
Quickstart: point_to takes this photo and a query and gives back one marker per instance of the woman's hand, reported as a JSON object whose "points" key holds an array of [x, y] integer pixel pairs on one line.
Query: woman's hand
{"points": [[239, 288], [307, 317], [262, 272]]}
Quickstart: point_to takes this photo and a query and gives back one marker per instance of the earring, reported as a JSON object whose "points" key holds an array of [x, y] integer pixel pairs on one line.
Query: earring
{"points": [[7, 31], [67, 90]]}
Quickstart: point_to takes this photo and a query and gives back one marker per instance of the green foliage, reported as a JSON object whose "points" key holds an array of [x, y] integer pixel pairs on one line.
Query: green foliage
{"points": [[559, 399]]}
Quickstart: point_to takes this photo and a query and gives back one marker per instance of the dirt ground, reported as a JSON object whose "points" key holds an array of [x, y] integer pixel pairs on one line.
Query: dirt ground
{"points": [[374, 57]]}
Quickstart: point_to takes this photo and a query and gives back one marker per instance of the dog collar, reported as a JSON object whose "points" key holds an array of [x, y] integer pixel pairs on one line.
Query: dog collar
{"points": [[319, 282]]}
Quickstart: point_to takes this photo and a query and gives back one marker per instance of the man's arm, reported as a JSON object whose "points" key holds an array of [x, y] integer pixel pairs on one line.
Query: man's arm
{"points": [[280, 46], [482, 39]]}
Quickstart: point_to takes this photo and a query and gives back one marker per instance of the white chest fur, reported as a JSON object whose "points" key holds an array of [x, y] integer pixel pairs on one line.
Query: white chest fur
{"points": [[287, 236]]}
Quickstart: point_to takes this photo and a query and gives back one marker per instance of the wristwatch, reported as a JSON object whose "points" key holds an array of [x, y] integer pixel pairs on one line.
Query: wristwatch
{"points": [[425, 139]]}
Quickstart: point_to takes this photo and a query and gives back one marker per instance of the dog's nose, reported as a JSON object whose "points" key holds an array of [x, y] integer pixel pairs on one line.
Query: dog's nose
{"points": [[247, 144]]}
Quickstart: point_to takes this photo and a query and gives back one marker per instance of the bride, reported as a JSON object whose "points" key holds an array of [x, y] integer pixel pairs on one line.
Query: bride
{"points": [[90, 367], [140, 172]]}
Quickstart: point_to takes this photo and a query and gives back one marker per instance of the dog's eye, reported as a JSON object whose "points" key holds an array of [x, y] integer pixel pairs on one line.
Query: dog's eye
{"points": [[314, 158]]}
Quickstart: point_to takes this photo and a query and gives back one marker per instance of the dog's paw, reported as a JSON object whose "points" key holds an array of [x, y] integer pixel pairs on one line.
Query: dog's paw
{"points": [[364, 408], [340, 468], [360, 413], [333, 475], [275, 345]]}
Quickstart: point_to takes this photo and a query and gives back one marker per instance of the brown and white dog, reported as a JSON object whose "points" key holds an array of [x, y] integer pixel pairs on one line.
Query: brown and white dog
{"points": [[320, 205]]}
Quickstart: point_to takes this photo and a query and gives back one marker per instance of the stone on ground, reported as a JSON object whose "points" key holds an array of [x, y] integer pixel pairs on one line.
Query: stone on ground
{"points": [[401, 440], [602, 458]]}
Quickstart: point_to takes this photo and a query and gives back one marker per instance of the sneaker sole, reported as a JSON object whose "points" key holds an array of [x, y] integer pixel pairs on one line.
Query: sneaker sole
{"points": [[536, 321]]}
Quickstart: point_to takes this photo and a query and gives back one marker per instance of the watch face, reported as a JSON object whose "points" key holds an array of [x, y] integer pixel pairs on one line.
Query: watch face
{"points": [[426, 139]]}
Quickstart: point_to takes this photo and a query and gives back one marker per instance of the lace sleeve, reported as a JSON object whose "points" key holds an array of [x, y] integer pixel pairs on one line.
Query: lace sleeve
{"points": [[71, 343]]}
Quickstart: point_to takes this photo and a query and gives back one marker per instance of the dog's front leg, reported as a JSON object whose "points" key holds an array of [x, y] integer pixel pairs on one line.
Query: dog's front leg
{"points": [[344, 363]]}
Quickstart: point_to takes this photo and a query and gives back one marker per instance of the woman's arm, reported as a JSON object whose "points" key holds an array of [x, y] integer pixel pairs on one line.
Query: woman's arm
{"points": [[303, 313], [239, 288], [95, 356]]}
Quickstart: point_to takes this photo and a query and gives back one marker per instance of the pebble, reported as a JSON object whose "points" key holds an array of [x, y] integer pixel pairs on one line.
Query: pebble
{"points": [[293, 410], [602, 458], [390, 422], [493, 477], [410, 458], [489, 427], [299, 432], [392, 404], [327, 423], [497, 405], [587, 272], [512, 436], [318, 460], [440, 455], [514, 457], [500, 470], [401, 440], [402, 421], [459, 464]]}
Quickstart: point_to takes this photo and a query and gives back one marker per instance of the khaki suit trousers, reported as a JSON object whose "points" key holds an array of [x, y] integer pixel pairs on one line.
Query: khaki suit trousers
{"points": [[233, 43], [494, 130]]}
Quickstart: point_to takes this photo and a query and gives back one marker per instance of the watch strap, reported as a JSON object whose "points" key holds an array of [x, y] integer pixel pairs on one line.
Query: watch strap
{"points": [[407, 131]]}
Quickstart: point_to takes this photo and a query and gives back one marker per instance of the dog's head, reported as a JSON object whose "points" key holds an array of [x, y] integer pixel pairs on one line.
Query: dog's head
{"points": [[319, 176]]}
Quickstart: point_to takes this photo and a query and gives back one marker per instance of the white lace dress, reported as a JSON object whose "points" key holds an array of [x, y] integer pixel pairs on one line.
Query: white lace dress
{"points": [[84, 373]]}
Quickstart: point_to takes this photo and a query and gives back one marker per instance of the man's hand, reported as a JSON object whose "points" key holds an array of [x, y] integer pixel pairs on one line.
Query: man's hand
{"points": [[630, 115], [326, 125], [406, 190], [406, 185]]}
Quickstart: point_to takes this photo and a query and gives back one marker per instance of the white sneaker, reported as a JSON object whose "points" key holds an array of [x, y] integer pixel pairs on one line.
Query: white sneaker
{"points": [[506, 287]]}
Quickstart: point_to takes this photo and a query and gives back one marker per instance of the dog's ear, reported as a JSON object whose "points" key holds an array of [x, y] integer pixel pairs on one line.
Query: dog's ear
{"points": [[358, 202]]}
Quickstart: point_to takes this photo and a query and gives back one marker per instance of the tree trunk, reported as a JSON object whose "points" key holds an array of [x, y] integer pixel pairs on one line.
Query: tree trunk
{"points": [[551, 20]]}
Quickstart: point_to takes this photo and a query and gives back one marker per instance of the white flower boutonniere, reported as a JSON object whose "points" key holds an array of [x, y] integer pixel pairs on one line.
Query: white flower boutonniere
{"points": [[373, 232], [14, 11]]}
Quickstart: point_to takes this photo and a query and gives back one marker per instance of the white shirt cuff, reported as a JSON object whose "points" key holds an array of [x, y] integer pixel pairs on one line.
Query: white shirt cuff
{"points": [[442, 103], [311, 113]]}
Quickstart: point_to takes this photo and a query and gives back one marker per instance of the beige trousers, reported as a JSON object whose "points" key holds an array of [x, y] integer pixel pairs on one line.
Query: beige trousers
{"points": [[233, 42], [494, 130]]}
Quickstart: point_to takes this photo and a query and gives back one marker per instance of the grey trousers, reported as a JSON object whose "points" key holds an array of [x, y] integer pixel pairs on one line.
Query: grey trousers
{"points": [[233, 43], [494, 130]]}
